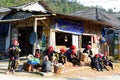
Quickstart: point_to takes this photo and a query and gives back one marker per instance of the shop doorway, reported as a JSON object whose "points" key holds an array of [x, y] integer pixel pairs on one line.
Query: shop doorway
{"points": [[23, 38], [86, 39]]}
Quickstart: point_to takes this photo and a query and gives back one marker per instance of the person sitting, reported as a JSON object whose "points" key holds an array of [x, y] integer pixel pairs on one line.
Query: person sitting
{"points": [[107, 62], [96, 62], [88, 51], [69, 51], [33, 62], [50, 52], [46, 65], [62, 57], [37, 57], [71, 55]]}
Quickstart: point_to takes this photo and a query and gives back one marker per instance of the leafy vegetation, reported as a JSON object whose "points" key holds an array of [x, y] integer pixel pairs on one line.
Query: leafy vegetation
{"points": [[59, 6]]}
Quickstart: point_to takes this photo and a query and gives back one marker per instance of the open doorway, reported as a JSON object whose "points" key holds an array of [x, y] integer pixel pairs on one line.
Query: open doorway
{"points": [[86, 39], [23, 38]]}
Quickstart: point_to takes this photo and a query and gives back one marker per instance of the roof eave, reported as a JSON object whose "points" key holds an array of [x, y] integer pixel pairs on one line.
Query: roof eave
{"points": [[84, 19]]}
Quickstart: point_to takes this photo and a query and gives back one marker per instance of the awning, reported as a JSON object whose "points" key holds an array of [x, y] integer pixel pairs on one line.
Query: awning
{"points": [[69, 26], [16, 16], [4, 27]]}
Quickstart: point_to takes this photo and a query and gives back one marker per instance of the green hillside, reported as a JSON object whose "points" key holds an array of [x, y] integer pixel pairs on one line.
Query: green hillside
{"points": [[59, 6]]}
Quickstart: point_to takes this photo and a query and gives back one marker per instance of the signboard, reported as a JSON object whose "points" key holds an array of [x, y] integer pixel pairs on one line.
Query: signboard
{"points": [[71, 27]]}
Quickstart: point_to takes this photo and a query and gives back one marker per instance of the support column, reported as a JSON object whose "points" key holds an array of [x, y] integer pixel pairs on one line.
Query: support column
{"points": [[35, 30]]}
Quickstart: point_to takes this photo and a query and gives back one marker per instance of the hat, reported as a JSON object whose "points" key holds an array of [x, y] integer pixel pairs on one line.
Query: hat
{"points": [[105, 53], [73, 47], [89, 46], [37, 55], [50, 47], [96, 55], [62, 50]]}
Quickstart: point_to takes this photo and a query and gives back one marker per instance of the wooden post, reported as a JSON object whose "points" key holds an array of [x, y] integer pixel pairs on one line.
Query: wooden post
{"points": [[35, 30]]}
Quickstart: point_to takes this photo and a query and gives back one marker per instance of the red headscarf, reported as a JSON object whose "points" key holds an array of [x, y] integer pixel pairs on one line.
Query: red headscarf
{"points": [[37, 55], [89, 46], [73, 47], [96, 55], [105, 53], [62, 50], [50, 49]]}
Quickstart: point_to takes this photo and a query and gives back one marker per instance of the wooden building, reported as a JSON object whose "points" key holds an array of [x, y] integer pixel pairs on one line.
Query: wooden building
{"points": [[36, 22]]}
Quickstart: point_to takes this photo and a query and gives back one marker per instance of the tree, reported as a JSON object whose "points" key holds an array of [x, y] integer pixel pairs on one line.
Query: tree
{"points": [[110, 11]]}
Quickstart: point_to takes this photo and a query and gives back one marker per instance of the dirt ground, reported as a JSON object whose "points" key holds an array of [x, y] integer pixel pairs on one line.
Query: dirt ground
{"points": [[73, 72], [88, 72]]}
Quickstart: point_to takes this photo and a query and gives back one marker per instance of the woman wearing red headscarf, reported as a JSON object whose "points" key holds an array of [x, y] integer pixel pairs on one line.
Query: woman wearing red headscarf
{"points": [[71, 55], [88, 51], [69, 52], [49, 52], [13, 51], [62, 57]]}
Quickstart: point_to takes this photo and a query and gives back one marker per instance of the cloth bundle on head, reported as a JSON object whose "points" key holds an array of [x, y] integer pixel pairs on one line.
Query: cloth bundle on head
{"points": [[50, 49], [46, 58], [62, 50], [96, 55], [73, 47], [37, 55], [105, 53], [89, 46]]}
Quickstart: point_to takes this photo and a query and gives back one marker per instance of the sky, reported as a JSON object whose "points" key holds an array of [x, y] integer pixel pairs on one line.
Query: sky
{"points": [[106, 4]]}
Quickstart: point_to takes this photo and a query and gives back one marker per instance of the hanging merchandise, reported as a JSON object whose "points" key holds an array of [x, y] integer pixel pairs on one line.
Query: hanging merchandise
{"points": [[102, 40], [43, 45], [95, 38], [116, 45]]}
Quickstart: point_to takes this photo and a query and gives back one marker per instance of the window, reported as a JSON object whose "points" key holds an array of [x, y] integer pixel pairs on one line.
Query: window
{"points": [[63, 39]]}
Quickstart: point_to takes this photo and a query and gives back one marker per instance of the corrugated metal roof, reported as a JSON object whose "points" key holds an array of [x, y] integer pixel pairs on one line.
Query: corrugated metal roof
{"points": [[21, 16], [102, 16], [37, 6], [5, 10]]}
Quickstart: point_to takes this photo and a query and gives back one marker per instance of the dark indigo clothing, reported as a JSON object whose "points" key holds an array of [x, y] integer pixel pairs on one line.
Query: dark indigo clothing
{"points": [[14, 56], [70, 55], [14, 52], [97, 63], [107, 62], [67, 54], [46, 66]]}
